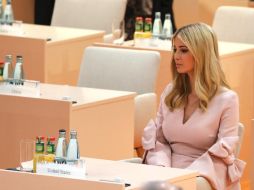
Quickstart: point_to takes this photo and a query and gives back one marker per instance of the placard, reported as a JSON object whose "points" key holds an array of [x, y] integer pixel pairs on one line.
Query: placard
{"points": [[77, 170], [29, 88]]}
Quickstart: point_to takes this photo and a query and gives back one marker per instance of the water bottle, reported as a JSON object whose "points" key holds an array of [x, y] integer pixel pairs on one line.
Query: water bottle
{"points": [[73, 148], [167, 30], [18, 74], [7, 72], [8, 17], [61, 147], [157, 25], [1, 13]]}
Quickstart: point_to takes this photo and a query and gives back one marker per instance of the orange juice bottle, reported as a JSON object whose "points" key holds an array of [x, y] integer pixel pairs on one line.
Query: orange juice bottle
{"points": [[50, 150], [39, 152]]}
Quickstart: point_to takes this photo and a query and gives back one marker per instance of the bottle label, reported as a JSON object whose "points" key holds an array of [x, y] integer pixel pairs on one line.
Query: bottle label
{"points": [[50, 148], [148, 27], [139, 27], [39, 147]]}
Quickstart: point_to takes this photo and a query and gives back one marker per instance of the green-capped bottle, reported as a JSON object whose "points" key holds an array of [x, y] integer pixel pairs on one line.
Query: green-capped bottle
{"points": [[148, 27], [139, 24], [39, 152], [138, 28], [50, 150]]}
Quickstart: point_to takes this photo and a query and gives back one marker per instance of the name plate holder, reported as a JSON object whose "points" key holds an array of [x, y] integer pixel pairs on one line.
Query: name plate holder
{"points": [[27, 88], [76, 170]]}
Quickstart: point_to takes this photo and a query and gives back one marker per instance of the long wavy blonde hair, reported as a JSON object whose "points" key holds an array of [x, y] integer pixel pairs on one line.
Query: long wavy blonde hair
{"points": [[201, 41]]}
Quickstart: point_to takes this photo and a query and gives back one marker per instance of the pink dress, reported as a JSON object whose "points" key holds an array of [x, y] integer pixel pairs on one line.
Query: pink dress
{"points": [[205, 142]]}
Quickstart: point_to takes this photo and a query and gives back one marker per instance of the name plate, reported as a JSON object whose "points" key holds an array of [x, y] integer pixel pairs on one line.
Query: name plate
{"points": [[77, 170], [29, 88]]}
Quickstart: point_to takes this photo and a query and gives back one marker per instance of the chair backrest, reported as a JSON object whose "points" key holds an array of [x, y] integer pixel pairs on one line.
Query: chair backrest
{"points": [[127, 70], [119, 69], [145, 110], [240, 134], [88, 14], [234, 24]]}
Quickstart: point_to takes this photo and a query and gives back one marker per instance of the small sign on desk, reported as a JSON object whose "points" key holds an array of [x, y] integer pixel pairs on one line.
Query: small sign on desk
{"points": [[77, 170], [29, 88]]}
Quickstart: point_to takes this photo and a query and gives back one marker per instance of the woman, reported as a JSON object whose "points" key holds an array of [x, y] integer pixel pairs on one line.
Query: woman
{"points": [[197, 123]]}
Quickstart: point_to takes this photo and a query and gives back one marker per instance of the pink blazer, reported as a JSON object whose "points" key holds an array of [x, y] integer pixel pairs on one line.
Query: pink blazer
{"points": [[205, 142]]}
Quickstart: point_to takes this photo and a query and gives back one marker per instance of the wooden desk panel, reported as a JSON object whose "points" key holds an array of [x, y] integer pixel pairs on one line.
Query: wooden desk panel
{"points": [[15, 180], [51, 54], [98, 170], [104, 120]]}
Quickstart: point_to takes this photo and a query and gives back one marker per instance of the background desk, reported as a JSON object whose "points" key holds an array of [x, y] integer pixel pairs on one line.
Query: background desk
{"points": [[104, 120], [237, 61], [135, 174], [51, 54]]}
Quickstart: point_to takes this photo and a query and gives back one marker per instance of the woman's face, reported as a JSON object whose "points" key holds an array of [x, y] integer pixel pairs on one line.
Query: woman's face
{"points": [[183, 58]]}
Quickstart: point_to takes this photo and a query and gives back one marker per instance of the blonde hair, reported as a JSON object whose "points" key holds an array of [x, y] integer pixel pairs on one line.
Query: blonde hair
{"points": [[208, 75]]}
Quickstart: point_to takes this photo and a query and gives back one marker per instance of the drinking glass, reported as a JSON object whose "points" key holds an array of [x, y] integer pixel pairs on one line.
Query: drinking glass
{"points": [[17, 27], [27, 149], [118, 32]]}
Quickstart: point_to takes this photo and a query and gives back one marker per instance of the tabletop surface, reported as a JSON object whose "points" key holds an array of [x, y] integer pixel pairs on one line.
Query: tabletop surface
{"points": [[225, 48], [81, 95], [134, 174], [53, 33]]}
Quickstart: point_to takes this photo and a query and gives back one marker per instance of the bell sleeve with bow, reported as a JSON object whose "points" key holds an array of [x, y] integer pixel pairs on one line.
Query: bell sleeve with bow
{"points": [[219, 164]]}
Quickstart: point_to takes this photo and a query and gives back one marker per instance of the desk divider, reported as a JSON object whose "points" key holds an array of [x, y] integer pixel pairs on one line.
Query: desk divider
{"points": [[19, 180]]}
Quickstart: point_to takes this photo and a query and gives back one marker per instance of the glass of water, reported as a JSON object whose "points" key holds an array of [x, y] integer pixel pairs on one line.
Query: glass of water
{"points": [[27, 149]]}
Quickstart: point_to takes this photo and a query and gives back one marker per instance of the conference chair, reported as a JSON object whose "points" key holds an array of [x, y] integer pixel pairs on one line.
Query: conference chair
{"points": [[125, 70], [234, 24], [89, 14], [241, 135]]}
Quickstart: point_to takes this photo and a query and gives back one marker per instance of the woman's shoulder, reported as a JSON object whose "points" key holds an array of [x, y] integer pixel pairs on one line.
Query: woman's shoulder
{"points": [[226, 95], [167, 90]]}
